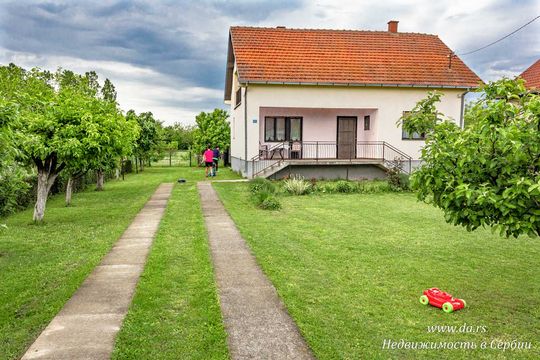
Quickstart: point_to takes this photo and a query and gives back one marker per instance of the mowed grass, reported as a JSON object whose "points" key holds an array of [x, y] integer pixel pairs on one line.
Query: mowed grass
{"points": [[175, 313], [351, 268], [41, 266]]}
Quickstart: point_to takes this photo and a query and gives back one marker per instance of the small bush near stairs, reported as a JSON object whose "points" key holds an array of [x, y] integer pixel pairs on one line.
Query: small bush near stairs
{"points": [[263, 193]]}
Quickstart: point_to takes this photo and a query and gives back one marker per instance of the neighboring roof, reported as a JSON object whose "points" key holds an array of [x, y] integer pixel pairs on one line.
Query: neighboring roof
{"points": [[532, 76], [344, 57]]}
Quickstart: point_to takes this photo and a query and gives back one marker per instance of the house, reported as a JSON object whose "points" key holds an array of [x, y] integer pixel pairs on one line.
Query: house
{"points": [[325, 103], [532, 76]]}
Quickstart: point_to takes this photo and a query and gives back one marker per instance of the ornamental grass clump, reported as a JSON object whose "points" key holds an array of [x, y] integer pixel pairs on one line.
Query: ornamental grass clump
{"points": [[297, 185]]}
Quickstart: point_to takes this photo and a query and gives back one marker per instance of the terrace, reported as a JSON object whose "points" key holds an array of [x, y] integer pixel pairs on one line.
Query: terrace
{"points": [[276, 156]]}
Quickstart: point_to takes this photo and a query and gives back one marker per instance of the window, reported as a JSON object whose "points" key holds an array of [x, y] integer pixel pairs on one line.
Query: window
{"points": [[295, 125], [406, 136], [281, 128], [238, 97], [269, 129], [367, 122]]}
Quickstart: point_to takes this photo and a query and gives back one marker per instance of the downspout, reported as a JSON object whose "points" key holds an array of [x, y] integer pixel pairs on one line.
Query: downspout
{"points": [[245, 131], [462, 113]]}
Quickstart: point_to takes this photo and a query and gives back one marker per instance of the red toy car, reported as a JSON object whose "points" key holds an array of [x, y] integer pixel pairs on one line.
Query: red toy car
{"points": [[442, 300]]}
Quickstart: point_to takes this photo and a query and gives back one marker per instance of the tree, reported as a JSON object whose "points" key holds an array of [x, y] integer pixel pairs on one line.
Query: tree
{"points": [[39, 106], [63, 122], [212, 129], [108, 92], [181, 134], [111, 138], [116, 142], [12, 174], [148, 138], [487, 174]]}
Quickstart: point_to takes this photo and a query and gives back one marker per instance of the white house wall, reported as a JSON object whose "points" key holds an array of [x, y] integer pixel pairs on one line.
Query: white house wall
{"points": [[387, 105], [237, 122]]}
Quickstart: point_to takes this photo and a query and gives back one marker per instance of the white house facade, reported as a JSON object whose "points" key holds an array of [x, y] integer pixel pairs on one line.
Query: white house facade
{"points": [[322, 118]]}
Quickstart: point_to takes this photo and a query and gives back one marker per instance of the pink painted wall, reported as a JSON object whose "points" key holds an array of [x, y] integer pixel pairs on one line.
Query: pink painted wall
{"points": [[321, 124]]}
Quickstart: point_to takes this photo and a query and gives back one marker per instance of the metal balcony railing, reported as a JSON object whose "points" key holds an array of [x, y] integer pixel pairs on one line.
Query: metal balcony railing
{"points": [[277, 153]]}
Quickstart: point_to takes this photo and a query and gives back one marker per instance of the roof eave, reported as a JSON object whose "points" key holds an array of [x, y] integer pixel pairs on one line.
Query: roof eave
{"points": [[229, 70], [319, 83]]}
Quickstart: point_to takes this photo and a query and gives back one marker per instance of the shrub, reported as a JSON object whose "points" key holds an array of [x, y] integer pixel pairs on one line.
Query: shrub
{"points": [[397, 180], [263, 194], [14, 189], [374, 186], [324, 187], [404, 182], [261, 185], [270, 203], [350, 187], [296, 185], [266, 200], [343, 186]]}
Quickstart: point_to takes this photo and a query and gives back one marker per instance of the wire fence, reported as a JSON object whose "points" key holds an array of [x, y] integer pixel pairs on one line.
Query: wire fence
{"points": [[183, 158], [178, 158]]}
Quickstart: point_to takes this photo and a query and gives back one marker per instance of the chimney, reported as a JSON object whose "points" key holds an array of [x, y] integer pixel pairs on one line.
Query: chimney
{"points": [[392, 26]]}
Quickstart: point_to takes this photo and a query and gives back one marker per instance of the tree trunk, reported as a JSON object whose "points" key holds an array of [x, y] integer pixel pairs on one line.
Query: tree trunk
{"points": [[117, 173], [141, 164], [69, 190], [45, 182], [100, 180]]}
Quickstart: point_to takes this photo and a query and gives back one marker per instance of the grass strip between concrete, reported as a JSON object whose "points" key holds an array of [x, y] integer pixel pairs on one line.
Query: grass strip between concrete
{"points": [[175, 313]]}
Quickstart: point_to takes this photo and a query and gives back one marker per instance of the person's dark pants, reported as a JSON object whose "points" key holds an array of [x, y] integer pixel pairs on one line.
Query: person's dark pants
{"points": [[216, 161]]}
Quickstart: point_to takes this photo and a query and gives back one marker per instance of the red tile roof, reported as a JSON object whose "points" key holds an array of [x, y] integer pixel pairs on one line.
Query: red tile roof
{"points": [[532, 75], [280, 55]]}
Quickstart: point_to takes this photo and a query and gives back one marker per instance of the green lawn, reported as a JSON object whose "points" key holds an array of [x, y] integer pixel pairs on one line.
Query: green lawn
{"points": [[175, 313], [350, 269], [42, 265]]}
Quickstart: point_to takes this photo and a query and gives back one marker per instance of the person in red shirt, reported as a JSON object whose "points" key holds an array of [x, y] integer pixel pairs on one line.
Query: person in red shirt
{"points": [[208, 160]]}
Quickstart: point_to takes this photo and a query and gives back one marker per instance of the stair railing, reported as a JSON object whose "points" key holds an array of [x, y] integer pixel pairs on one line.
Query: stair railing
{"points": [[265, 158]]}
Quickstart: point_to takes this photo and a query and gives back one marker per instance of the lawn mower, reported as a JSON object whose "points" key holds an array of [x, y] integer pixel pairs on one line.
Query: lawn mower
{"points": [[441, 299]]}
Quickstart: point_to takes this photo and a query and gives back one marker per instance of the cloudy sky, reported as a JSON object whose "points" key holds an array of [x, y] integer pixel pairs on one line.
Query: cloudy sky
{"points": [[168, 57]]}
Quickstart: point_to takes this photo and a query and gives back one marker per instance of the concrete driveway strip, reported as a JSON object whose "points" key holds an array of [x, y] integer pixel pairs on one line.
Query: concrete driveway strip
{"points": [[256, 320], [86, 326]]}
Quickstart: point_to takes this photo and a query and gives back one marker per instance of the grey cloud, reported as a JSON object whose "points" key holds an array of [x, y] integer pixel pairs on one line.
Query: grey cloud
{"points": [[52, 7], [255, 10], [186, 41]]}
